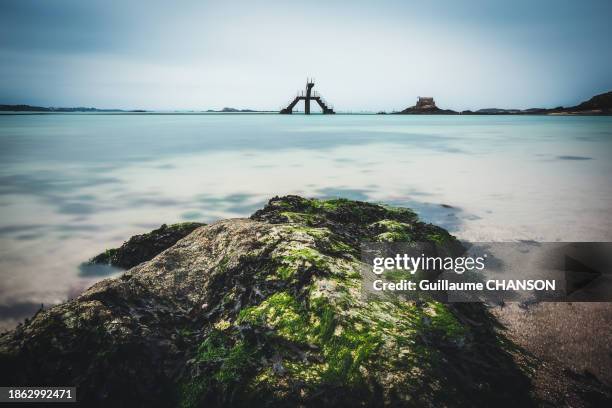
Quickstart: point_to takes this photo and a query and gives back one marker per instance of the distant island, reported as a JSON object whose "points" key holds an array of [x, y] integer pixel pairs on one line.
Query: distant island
{"points": [[597, 105], [232, 110]]}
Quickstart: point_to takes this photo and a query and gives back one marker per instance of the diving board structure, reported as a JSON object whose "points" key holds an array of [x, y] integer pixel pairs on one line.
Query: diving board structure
{"points": [[308, 96]]}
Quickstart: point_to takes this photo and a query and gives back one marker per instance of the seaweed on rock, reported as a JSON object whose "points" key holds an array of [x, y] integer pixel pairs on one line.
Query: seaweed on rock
{"points": [[268, 311]]}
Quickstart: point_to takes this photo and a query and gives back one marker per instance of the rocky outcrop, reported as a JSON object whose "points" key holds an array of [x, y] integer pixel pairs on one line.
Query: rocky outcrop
{"points": [[426, 106], [142, 248], [268, 311], [234, 110], [413, 110]]}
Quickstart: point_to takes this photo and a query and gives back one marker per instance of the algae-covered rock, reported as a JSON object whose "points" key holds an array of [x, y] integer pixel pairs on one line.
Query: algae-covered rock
{"points": [[268, 311], [144, 247]]}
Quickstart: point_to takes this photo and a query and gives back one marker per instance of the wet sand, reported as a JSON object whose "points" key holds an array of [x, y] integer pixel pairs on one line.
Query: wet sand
{"points": [[572, 343]]}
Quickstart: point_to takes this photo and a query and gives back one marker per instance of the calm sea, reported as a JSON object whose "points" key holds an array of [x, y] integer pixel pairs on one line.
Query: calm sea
{"points": [[72, 185]]}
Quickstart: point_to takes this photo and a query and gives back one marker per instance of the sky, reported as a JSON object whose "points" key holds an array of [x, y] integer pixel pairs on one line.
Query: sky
{"points": [[364, 55]]}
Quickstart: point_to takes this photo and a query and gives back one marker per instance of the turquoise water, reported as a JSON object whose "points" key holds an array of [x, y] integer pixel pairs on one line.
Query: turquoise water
{"points": [[72, 185]]}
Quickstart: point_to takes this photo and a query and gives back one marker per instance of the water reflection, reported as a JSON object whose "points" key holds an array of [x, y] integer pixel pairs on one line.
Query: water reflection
{"points": [[97, 270]]}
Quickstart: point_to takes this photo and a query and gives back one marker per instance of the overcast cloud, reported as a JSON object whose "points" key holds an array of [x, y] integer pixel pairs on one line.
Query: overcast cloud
{"points": [[364, 55]]}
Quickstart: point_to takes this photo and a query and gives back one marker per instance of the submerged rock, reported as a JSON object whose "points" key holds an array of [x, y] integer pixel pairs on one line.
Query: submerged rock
{"points": [[268, 311]]}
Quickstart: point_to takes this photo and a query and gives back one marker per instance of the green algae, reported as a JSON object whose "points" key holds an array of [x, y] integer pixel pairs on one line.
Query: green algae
{"points": [[311, 250], [393, 237], [280, 312], [396, 275], [443, 320], [327, 324], [341, 205], [392, 225], [344, 348], [345, 352], [223, 264], [392, 231], [229, 361], [324, 239], [315, 233], [293, 259], [299, 217], [191, 392], [305, 255], [439, 237], [400, 211]]}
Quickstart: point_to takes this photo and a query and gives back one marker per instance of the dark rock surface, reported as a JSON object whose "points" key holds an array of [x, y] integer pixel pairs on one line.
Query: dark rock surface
{"points": [[268, 311], [426, 106], [144, 247], [413, 110]]}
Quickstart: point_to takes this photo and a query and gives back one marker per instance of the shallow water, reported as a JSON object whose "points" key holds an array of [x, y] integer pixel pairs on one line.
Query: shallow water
{"points": [[72, 185]]}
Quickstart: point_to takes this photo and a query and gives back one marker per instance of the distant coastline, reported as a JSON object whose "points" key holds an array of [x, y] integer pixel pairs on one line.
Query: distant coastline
{"points": [[598, 105], [30, 108], [38, 109]]}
